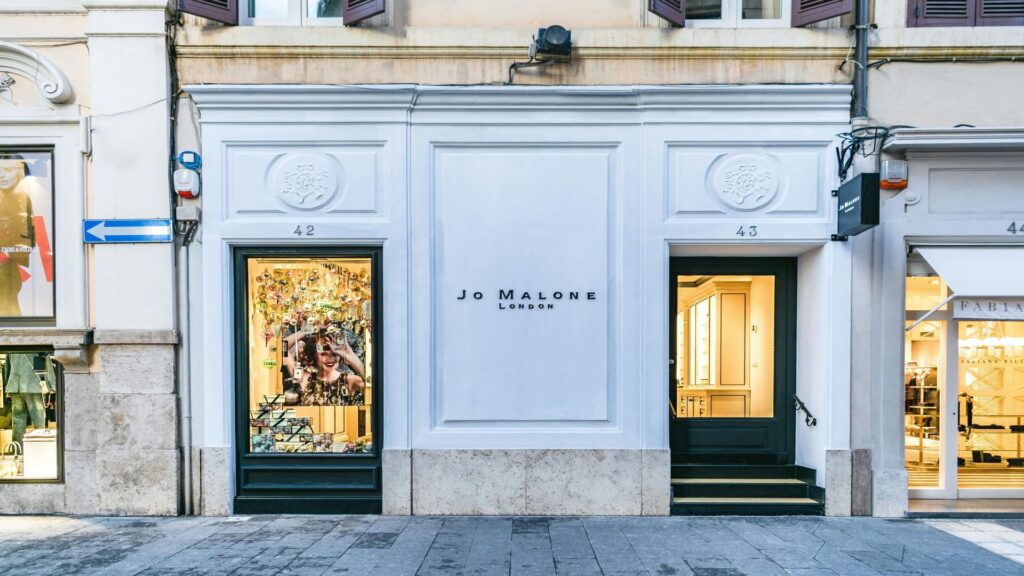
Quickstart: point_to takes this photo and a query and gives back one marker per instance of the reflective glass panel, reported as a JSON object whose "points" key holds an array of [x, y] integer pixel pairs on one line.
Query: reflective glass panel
{"points": [[990, 364], [923, 383], [704, 9], [323, 8], [761, 9], [275, 9], [310, 360]]}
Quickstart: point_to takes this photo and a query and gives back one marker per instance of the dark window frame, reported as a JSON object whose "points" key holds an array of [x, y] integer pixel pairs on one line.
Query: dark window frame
{"points": [[59, 416]]}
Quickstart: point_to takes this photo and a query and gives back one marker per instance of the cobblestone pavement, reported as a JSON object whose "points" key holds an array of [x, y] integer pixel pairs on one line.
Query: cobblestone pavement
{"points": [[484, 546]]}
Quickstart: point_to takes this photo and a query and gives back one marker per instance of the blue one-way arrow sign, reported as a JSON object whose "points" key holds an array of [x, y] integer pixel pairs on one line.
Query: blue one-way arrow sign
{"points": [[127, 231]]}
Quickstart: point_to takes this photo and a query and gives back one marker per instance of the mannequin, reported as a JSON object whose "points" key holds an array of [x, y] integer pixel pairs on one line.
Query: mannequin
{"points": [[26, 391]]}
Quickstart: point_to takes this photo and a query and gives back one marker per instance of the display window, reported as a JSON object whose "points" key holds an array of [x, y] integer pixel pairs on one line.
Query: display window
{"points": [[964, 395], [26, 234], [725, 346], [30, 416], [310, 354]]}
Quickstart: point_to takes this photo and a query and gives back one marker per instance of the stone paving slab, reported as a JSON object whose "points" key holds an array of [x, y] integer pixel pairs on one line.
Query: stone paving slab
{"points": [[496, 546]]}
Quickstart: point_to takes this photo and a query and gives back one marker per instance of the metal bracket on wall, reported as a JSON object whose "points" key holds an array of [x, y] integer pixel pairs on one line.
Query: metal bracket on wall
{"points": [[837, 237]]}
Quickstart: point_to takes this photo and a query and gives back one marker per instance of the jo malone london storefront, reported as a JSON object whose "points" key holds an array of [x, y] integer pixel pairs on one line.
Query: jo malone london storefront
{"points": [[441, 300]]}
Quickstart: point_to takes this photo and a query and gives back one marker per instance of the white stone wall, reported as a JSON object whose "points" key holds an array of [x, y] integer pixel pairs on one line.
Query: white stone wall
{"points": [[631, 174]]}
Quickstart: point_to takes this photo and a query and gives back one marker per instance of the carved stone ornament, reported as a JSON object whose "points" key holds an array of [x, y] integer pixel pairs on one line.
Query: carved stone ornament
{"points": [[306, 181], [24, 62], [744, 181]]}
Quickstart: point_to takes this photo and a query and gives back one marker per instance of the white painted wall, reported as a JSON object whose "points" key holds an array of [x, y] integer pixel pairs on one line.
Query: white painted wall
{"points": [[487, 188]]}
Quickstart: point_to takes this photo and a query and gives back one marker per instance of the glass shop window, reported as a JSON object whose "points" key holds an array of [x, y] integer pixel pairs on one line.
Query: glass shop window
{"points": [[26, 236], [310, 354], [30, 416]]}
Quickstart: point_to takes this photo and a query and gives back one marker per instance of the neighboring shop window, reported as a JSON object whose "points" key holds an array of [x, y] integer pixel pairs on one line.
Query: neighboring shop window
{"points": [[30, 416], [310, 354], [26, 229]]}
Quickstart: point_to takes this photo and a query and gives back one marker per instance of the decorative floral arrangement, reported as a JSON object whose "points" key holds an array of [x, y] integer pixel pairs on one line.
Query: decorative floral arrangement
{"points": [[360, 446], [331, 297]]}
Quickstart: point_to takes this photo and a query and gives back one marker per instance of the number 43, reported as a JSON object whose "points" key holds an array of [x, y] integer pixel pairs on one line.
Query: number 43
{"points": [[747, 231]]}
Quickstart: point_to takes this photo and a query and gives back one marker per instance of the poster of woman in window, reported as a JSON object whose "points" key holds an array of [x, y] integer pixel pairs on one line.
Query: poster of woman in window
{"points": [[26, 228], [319, 312]]}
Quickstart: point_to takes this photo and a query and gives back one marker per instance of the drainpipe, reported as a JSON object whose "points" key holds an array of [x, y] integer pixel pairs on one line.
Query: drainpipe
{"points": [[860, 72]]}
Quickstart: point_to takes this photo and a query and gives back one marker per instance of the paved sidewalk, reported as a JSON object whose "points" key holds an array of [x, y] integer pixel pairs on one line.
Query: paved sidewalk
{"points": [[484, 546]]}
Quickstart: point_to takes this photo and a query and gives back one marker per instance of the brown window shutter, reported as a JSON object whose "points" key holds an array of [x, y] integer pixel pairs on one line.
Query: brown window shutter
{"points": [[225, 11], [810, 11], [1000, 13], [672, 10], [355, 11], [927, 13]]}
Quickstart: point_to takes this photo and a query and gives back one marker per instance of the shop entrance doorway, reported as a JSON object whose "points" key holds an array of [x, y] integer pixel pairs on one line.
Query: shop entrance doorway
{"points": [[733, 360], [308, 380]]}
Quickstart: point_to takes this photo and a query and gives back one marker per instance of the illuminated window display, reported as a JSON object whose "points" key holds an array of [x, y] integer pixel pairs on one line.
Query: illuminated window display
{"points": [[29, 416], [964, 395], [26, 228], [309, 352], [725, 347]]}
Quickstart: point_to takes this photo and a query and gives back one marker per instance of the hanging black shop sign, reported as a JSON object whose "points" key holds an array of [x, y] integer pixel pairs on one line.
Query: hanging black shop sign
{"points": [[858, 205]]}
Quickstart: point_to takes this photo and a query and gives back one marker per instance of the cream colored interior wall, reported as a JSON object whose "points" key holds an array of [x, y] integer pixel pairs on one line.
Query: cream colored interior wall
{"points": [[762, 346]]}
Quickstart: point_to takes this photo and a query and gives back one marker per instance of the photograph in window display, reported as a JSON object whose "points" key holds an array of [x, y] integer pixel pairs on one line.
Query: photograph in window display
{"points": [[316, 319], [26, 261]]}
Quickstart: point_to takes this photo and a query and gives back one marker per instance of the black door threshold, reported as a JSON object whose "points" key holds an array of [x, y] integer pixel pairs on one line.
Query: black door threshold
{"points": [[315, 505]]}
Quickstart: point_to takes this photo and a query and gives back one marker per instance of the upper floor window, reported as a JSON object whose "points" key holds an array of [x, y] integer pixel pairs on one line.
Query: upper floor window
{"points": [[285, 12], [748, 13], [922, 13]]}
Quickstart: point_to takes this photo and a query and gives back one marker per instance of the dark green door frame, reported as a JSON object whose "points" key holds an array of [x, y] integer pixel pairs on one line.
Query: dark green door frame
{"points": [[741, 440], [305, 483]]}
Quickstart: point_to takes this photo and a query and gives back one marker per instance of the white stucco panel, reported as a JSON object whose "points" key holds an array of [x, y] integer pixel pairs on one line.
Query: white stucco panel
{"points": [[275, 179], [528, 340], [744, 179]]}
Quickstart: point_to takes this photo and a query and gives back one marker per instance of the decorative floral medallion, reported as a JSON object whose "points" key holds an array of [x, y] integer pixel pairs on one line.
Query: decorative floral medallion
{"points": [[745, 181], [305, 181]]}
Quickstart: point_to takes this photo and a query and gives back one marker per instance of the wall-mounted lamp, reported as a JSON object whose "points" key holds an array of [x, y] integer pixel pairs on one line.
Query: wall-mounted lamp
{"points": [[550, 45]]}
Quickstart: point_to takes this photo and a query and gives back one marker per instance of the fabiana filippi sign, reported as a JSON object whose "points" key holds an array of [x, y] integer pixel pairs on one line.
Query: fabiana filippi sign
{"points": [[989, 308]]}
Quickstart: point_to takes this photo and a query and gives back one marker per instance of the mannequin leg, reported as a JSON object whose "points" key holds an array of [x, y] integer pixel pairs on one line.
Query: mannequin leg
{"points": [[19, 417], [36, 404]]}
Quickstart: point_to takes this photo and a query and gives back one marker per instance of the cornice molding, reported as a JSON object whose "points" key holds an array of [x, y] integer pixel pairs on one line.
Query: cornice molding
{"points": [[421, 104], [996, 139], [432, 52], [25, 62]]}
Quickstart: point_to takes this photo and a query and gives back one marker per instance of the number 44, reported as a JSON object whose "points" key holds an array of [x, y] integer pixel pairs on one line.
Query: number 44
{"points": [[1015, 228], [744, 231]]}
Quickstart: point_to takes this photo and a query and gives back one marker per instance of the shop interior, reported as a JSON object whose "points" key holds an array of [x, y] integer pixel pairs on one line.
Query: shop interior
{"points": [[310, 355], [981, 389], [28, 416], [725, 350]]}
